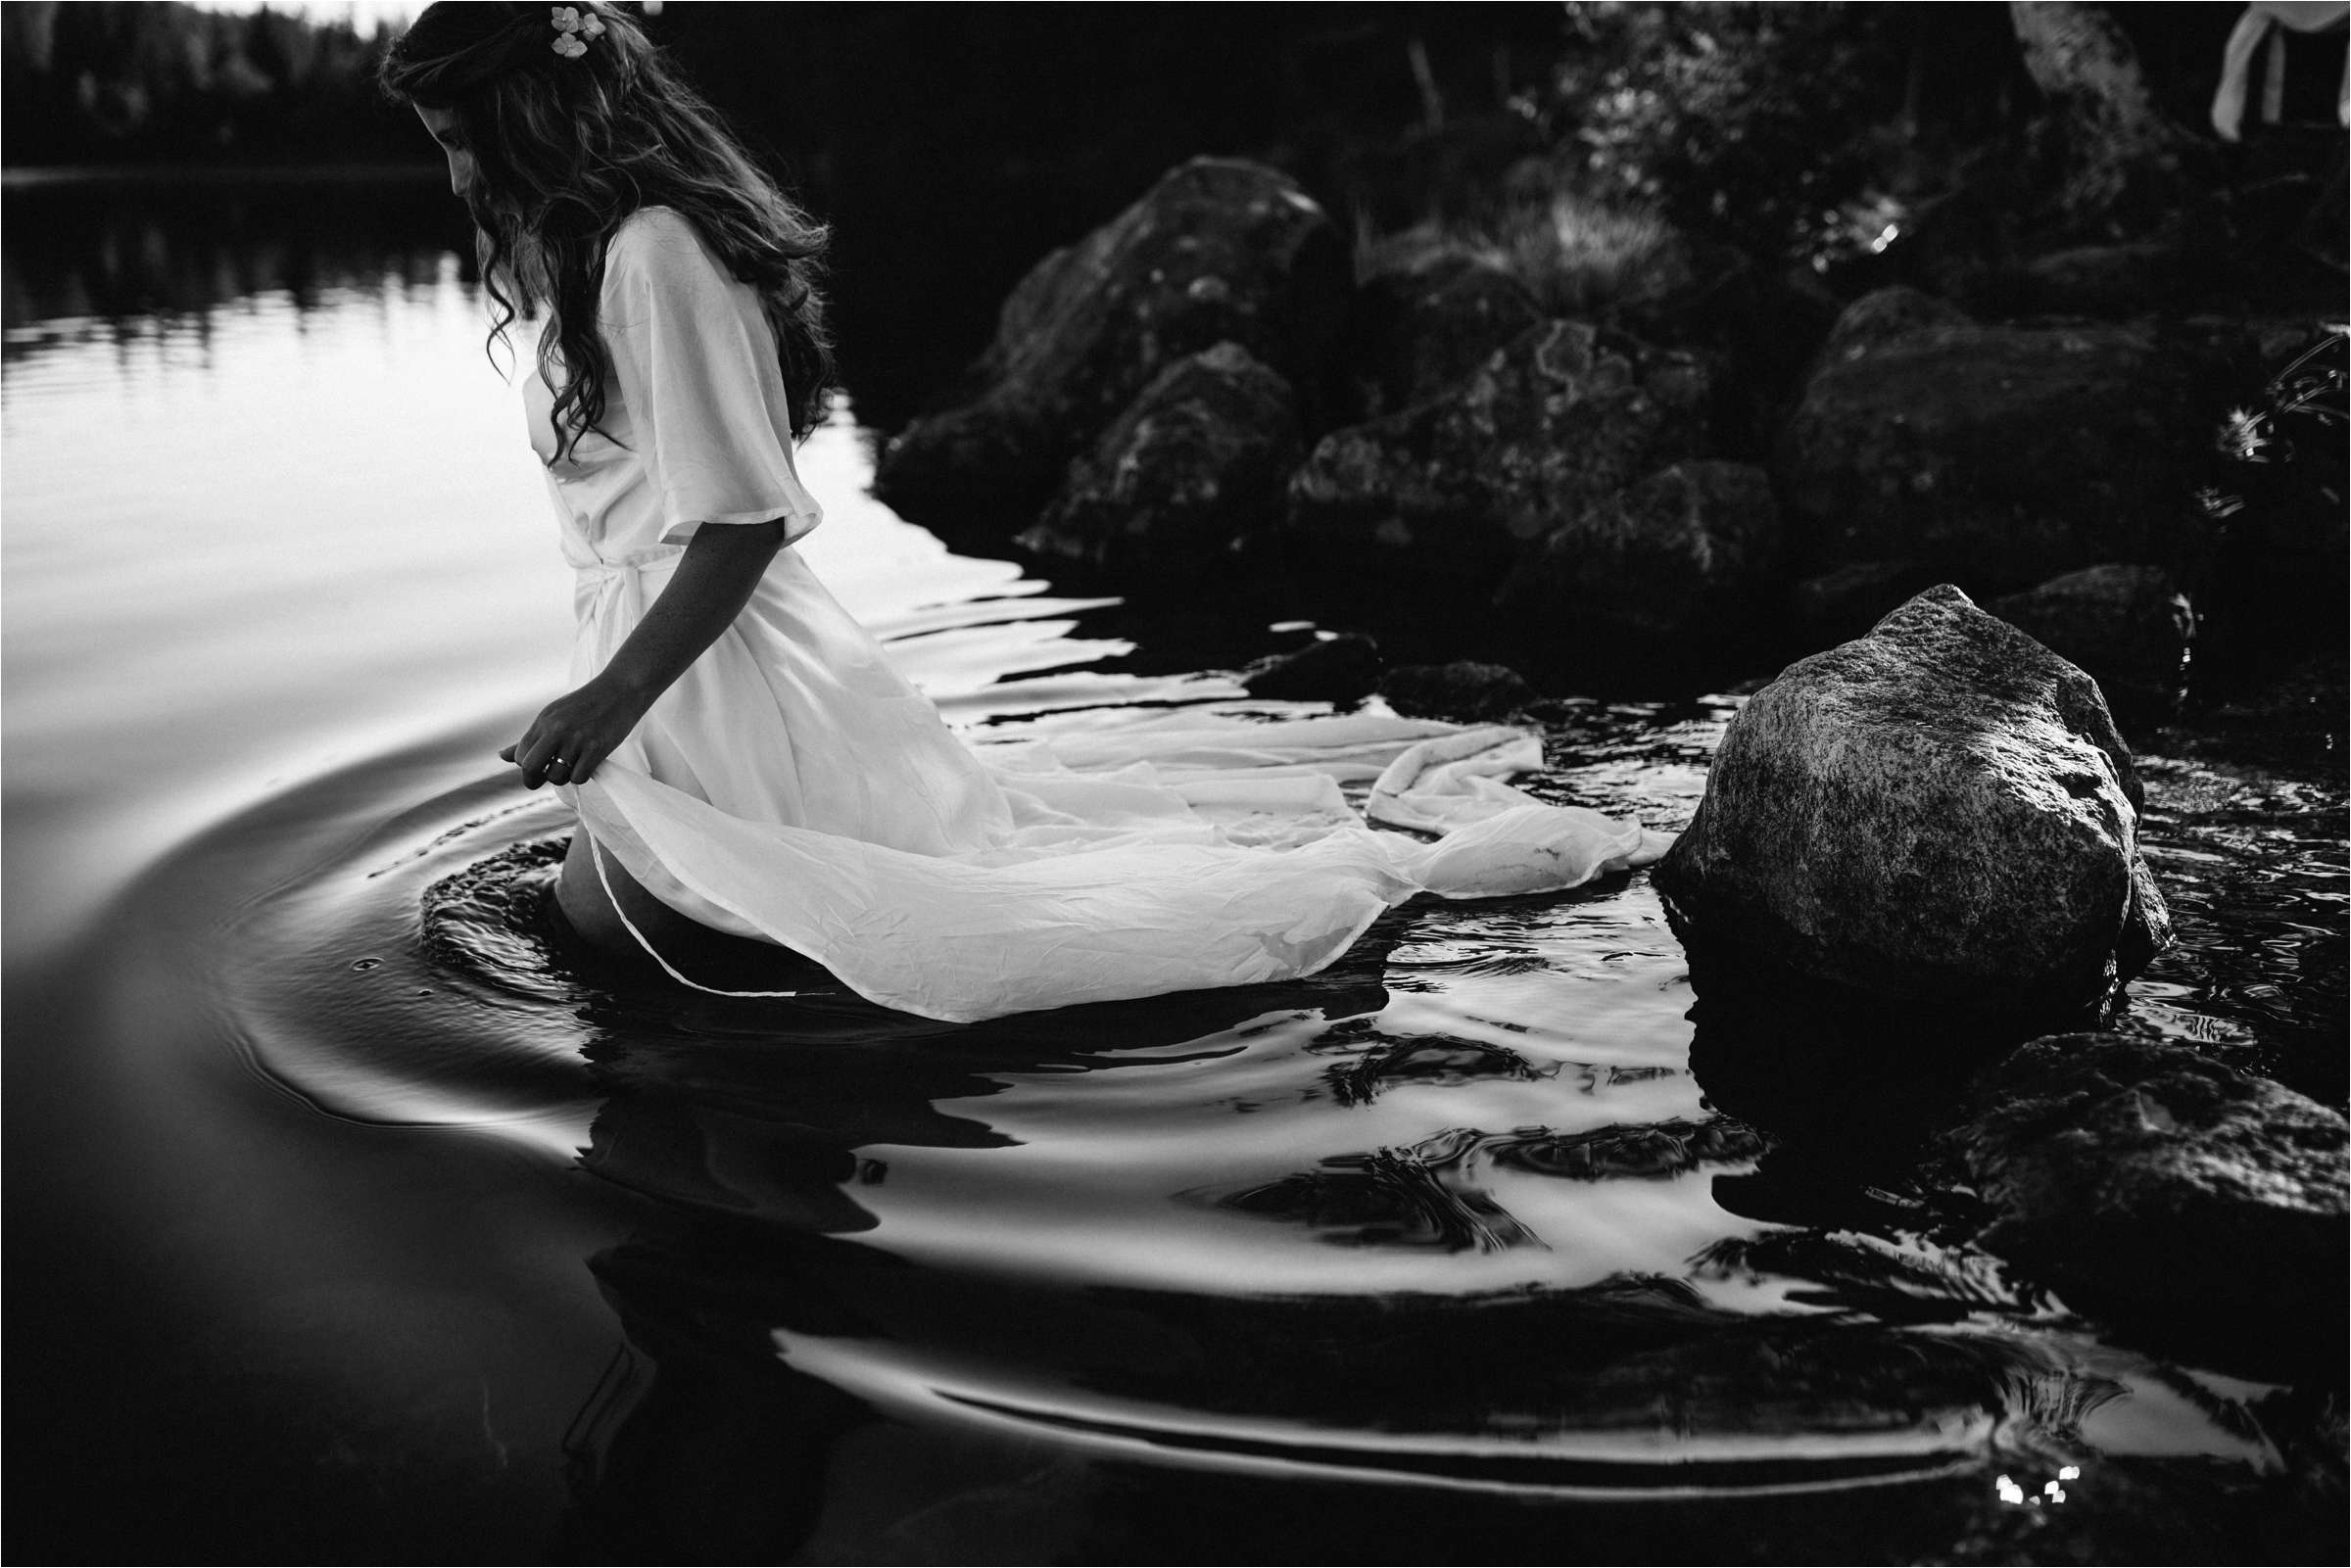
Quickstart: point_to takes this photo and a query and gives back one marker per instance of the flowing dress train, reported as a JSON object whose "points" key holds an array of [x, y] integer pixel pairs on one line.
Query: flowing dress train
{"points": [[792, 786]]}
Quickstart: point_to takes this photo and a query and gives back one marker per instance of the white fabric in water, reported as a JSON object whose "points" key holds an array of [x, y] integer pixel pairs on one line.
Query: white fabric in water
{"points": [[792, 786], [1133, 880]]}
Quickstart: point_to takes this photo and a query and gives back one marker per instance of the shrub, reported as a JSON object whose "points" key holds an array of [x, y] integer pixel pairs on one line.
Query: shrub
{"points": [[1742, 122]]}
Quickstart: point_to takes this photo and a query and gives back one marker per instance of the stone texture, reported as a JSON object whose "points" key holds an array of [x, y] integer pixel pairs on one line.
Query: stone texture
{"points": [[1456, 488], [2002, 455], [2152, 1175], [1881, 316], [1942, 810], [2128, 626], [1461, 690], [1199, 457], [1686, 563], [1219, 250], [1419, 330], [1337, 669]]}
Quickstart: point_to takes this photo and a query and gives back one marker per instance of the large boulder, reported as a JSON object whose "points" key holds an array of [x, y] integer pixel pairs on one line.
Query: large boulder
{"points": [[1422, 328], [1679, 568], [2147, 1175], [2128, 626], [1219, 250], [1199, 457], [1562, 418], [2005, 455], [1940, 811]]}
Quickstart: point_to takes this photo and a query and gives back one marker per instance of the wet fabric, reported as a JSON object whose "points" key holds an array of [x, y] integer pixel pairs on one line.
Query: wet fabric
{"points": [[792, 786]]}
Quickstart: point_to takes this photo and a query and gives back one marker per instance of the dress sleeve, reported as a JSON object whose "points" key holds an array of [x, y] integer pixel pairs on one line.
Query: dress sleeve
{"points": [[695, 364]]}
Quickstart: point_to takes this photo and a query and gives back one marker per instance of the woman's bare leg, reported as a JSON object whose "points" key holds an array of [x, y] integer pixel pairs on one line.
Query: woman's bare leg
{"points": [[712, 957], [580, 895]]}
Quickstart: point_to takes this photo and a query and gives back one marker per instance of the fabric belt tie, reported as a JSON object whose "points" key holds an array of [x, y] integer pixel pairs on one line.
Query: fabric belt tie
{"points": [[599, 585]]}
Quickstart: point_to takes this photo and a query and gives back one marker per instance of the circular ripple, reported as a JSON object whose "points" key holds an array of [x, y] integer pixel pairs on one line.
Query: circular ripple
{"points": [[1443, 1214]]}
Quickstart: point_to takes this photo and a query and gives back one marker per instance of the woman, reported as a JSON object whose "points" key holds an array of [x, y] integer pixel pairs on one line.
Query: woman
{"points": [[741, 757]]}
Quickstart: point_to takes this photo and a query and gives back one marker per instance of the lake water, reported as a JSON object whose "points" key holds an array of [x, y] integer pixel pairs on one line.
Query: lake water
{"points": [[353, 1219]]}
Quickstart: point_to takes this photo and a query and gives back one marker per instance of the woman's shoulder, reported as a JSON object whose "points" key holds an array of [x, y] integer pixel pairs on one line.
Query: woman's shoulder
{"points": [[657, 242]]}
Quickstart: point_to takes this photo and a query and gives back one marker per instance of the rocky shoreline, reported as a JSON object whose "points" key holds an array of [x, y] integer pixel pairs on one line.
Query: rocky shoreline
{"points": [[1991, 550], [1204, 400]]}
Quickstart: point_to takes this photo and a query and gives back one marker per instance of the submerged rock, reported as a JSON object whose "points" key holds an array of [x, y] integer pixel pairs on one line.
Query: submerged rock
{"points": [[2128, 626], [1219, 251], [1338, 669], [1639, 1152], [2154, 1176], [1680, 567], [2005, 455], [1942, 810], [1461, 690], [1197, 459], [1454, 491]]}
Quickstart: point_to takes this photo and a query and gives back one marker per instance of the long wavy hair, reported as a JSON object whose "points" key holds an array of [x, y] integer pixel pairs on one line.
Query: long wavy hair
{"points": [[565, 147]]}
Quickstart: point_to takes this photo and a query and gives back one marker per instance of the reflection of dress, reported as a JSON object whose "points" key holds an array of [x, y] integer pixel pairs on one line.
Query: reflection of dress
{"points": [[793, 787]]}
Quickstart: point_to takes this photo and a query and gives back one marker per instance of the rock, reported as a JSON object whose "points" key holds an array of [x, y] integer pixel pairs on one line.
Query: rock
{"points": [[1338, 669], [1680, 567], [2150, 1175], [2127, 628], [2003, 455], [1880, 317], [1840, 605], [1219, 251], [1940, 810], [1639, 1152], [1766, 324], [2111, 281], [1199, 457], [1461, 690], [1456, 488], [1422, 329]]}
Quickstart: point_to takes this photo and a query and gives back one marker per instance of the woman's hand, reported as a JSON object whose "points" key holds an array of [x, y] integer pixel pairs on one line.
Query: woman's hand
{"points": [[713, 581], [574, 733]]}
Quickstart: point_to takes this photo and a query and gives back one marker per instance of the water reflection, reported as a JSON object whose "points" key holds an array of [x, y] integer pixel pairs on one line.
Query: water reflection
{"points": [[324, 1144], [128, 252]]}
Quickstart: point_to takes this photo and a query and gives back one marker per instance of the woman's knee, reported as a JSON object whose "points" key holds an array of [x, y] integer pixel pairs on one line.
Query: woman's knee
{"points": [[580, 894]]}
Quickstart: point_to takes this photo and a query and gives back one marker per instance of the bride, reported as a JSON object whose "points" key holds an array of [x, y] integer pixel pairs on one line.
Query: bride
{"points": [[739, 753]]}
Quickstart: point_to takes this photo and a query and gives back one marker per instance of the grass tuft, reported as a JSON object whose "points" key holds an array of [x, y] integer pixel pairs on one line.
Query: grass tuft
{"points": [[1576, 256]]}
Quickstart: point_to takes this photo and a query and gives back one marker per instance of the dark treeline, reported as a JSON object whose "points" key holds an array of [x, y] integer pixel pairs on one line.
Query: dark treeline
{"points": [[107, 82], [953, 144]]}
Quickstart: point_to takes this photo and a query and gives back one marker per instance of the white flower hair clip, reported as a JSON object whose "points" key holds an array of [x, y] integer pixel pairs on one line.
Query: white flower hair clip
{"points": [[573, 31]]}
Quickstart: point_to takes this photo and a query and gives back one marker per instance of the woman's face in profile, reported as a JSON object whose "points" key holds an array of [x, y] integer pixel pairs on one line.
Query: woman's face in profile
{"points": [[443, 124]]}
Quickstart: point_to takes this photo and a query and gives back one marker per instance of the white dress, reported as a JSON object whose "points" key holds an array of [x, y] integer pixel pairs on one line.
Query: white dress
{"points": [[793, 787]]}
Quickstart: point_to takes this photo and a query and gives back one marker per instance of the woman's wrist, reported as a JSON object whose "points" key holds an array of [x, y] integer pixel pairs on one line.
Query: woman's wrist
{"points": [[624, 689]]}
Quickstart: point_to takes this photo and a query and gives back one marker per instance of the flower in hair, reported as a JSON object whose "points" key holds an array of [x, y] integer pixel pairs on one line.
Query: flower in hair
{"points": [[573, 31]]}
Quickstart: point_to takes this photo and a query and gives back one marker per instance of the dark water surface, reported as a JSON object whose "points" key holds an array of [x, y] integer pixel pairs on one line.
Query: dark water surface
{"points": [[352, 1219]]}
